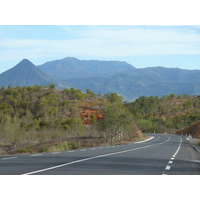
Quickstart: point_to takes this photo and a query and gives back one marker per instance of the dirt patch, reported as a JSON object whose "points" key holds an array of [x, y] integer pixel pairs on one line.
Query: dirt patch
{"points": [[193, 130]]}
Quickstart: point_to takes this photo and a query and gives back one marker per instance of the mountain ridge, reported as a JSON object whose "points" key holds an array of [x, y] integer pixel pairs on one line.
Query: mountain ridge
{"points": [[115, 76], [71, 67]]}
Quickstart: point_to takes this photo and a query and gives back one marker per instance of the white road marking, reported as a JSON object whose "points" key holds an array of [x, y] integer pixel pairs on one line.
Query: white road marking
{"points": [[144, 140], [55, 152], [72, 151], [8, 158], [91, 158], [92, 148], [36, 155], [168, 167], [195, 161], [83, 149], [170, 162]]}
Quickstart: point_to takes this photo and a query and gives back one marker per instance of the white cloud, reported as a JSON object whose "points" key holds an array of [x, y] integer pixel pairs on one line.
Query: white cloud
{"points": [[107, 41]]}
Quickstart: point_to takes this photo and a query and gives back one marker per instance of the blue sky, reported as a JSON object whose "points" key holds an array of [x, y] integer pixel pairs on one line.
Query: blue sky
{"points": [[141, 46]]}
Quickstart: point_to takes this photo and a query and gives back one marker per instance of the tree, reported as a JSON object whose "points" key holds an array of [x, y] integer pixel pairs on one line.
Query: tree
{"points": [[117, 120], [113, 97], [74, 126], [90, 93], [145, 126], [52, 87]]}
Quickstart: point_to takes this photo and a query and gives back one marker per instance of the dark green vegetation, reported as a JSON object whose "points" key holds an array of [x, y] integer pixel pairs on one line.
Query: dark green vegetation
{"points": [[104, 77], [166, 114], [39, 116]]}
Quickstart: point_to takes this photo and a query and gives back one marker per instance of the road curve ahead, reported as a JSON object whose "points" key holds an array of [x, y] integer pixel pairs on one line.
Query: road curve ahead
{"points": [[162, 155]]}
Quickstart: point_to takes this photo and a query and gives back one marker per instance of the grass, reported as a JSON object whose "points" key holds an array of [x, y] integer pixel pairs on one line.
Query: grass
{"points": [[24, 150], [62, 146]]}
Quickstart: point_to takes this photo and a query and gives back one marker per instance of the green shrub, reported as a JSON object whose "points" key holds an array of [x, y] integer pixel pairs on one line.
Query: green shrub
{"points": [[22, 150], [44, 149]]}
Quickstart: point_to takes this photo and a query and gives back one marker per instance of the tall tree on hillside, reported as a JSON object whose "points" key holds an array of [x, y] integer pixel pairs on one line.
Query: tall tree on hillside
{"points": [[117, 121]]}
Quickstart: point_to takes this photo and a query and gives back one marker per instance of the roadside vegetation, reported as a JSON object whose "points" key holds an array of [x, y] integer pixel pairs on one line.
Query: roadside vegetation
{"points": [[38, 118], [166, 114]]}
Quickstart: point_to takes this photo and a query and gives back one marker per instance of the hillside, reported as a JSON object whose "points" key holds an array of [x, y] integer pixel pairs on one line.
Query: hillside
{"points": [[193, 130], [43, 116], [74, 68], [166, 114]]}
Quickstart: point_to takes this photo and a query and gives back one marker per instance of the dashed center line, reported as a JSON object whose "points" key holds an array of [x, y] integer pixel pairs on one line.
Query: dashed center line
{"points": [[36, 155], [55, 152], [95, 157], [8, 158], [168, 167]]}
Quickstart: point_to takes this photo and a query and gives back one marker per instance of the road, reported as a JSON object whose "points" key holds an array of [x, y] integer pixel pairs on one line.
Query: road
{"points": [[161, 155]]}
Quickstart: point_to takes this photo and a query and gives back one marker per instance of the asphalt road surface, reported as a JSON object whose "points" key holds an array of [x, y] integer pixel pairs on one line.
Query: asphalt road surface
{"points": [[162, 154]]}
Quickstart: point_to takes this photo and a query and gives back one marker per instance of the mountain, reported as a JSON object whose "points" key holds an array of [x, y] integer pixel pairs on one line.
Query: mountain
{"points": [[131, 84], [176, 74], [70, 67], [105, 77], [25, 73]]}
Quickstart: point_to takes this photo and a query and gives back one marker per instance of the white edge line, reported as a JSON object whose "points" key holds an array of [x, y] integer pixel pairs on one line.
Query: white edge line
{"points": [[103, 155], [144, 140]]}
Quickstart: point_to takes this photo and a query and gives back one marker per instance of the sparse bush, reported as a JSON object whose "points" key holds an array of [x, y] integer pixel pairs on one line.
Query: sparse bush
{"points": [[44, 149], [23, 150], [64, 146]]}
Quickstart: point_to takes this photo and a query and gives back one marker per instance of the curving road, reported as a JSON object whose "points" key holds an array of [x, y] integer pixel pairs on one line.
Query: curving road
{"points": [[161, 155]]}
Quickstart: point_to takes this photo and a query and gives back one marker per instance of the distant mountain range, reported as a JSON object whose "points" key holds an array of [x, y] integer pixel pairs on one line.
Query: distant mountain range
{"points": [[74, 68], [104, 77]]}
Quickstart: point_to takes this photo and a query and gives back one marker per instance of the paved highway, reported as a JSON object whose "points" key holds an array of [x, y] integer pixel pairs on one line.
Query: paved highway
{"points": [[161, 155]]}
